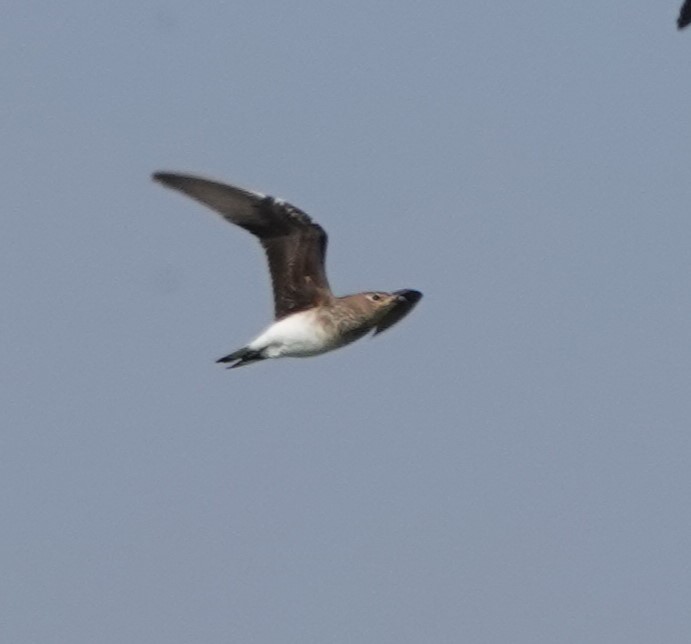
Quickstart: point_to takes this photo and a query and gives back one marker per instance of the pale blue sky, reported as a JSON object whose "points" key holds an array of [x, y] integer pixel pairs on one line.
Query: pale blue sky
{"points": [[510, 464]]}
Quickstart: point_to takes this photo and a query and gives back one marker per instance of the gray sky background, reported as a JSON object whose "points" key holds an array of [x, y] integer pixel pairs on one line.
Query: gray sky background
{"points": [[510, 464]]}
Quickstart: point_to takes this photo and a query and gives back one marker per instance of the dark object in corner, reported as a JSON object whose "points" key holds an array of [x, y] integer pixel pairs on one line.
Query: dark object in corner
{"points": [[684, 18]]}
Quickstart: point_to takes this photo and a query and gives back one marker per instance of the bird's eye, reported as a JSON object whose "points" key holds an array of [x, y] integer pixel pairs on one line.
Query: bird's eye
{"points": [[375, 297]]}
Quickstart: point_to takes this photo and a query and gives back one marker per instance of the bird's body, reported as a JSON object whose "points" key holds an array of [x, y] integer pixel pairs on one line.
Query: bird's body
{"points": [[299, 335], [309, 319]]}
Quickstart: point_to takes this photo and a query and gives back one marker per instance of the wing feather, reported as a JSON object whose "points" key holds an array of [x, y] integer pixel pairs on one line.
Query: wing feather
{"points": [[295, 245]]}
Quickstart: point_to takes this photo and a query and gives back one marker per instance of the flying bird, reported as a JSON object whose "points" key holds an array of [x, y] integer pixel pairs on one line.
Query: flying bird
{"points": [[308, 318], [684, 18]]}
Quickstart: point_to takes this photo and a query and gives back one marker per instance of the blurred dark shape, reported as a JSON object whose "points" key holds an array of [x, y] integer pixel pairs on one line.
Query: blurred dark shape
{"points": [[684, 15]]}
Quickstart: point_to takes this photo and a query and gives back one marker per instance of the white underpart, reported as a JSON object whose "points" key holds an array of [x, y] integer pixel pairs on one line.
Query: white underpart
{"points": [[298, 335]]}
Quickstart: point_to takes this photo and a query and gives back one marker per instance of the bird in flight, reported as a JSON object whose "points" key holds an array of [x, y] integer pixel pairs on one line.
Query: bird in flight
{"points": [[684, 18], [309, 319]]}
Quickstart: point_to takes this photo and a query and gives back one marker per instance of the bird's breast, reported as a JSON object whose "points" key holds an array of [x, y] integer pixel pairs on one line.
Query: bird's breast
{"points": [[299, 335]]}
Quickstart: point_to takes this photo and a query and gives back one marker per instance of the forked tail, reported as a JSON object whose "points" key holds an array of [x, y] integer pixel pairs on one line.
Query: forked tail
{"points": [[241, 357]]}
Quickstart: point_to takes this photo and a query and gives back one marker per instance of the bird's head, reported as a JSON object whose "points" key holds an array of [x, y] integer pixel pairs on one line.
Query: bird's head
{"points": [[382, 310]]}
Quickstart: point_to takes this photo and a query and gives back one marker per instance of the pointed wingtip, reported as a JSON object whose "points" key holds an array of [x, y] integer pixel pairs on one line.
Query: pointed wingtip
{"points": [[163, 177]]}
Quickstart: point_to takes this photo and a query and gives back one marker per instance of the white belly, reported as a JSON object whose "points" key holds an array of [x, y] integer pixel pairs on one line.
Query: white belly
{"points": [[298, 336]]}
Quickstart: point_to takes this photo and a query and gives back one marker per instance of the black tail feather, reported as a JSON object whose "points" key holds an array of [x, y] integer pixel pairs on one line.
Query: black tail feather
{"points": [[236, 355], [241, 357]]}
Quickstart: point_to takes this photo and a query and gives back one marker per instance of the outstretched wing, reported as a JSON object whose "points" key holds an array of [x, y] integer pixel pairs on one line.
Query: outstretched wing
{"points": [[405, 303], [684, 15], [295, 246]]}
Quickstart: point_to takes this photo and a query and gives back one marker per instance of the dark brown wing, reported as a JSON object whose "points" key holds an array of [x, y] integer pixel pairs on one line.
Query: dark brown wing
{"points": [[684, 15], [406, 301], [295, 246]]}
